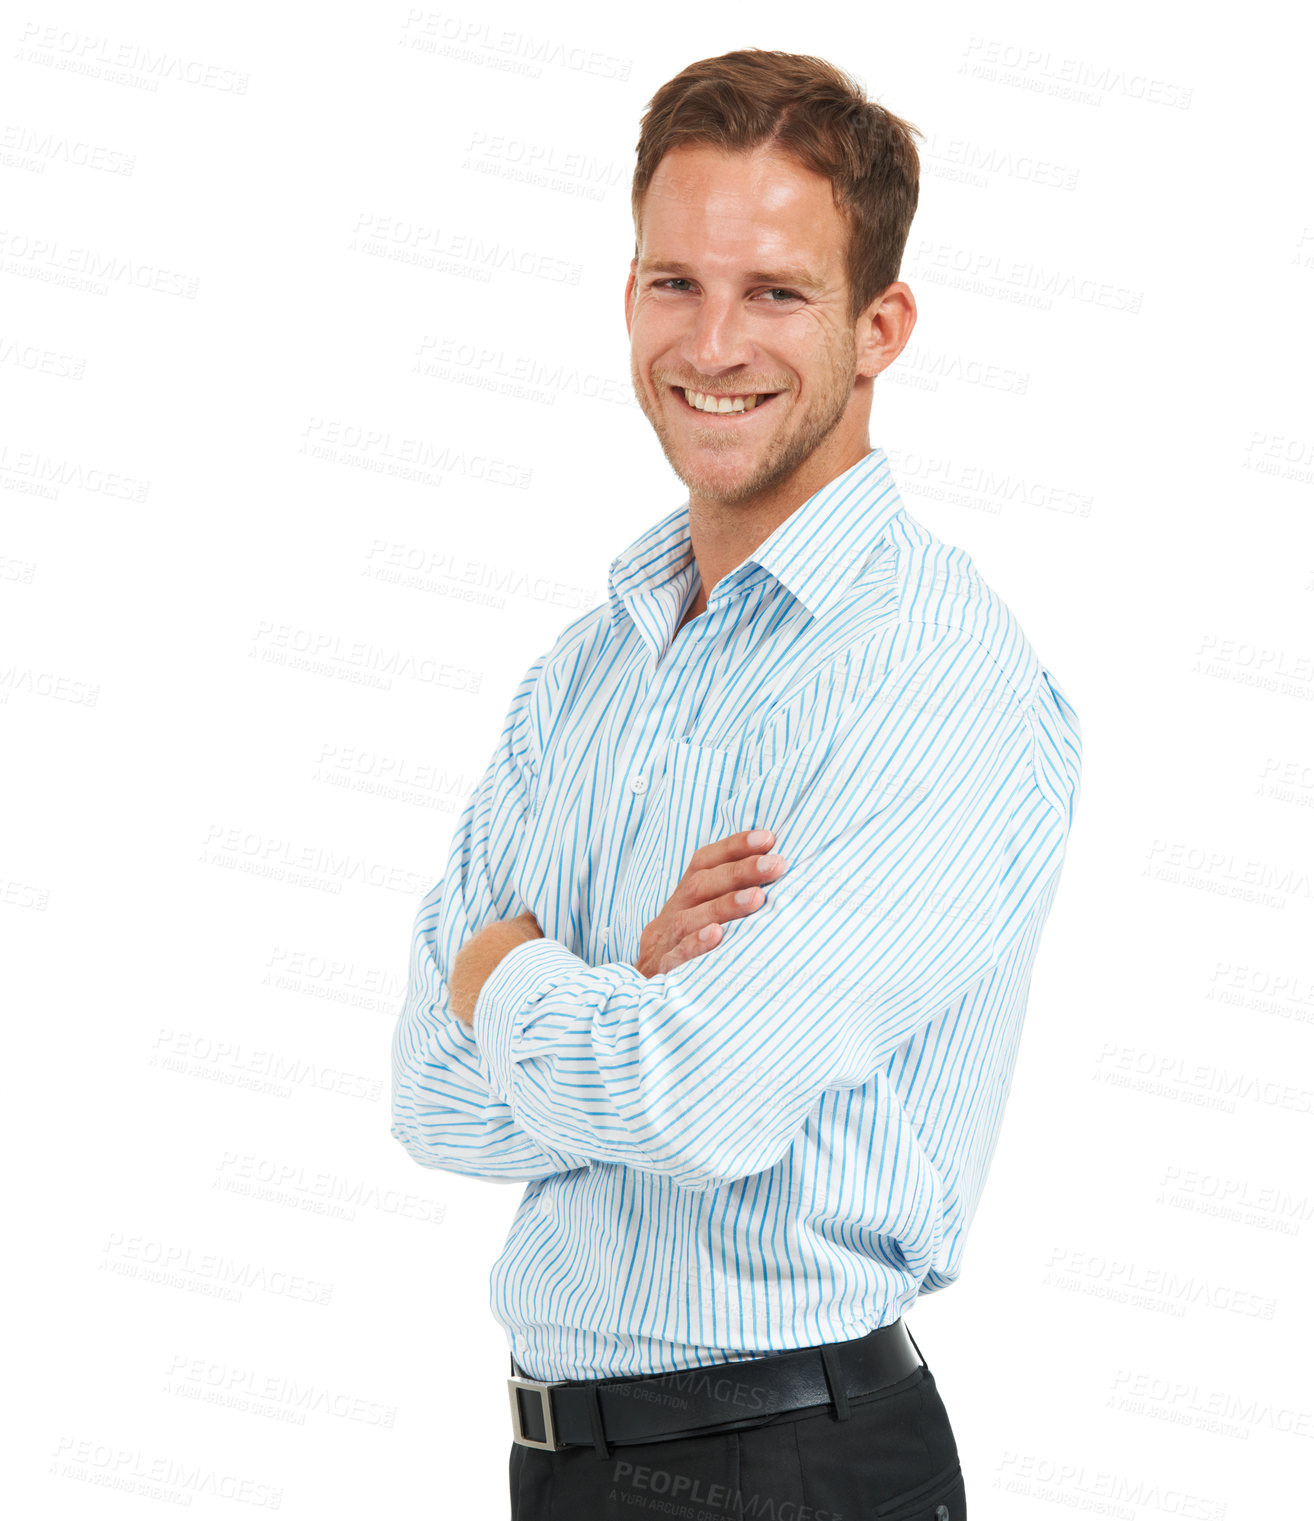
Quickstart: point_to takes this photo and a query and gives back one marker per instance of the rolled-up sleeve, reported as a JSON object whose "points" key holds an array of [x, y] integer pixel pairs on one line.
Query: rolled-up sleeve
{"points": [[443, 1110], [919, 845]]}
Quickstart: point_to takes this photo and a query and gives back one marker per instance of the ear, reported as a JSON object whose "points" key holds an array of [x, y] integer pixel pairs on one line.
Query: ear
{"points": [[884, 328], [629, 294]]}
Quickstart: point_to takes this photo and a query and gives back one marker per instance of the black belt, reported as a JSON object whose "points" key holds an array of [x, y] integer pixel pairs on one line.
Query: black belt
{"points": [[654, 1407]]}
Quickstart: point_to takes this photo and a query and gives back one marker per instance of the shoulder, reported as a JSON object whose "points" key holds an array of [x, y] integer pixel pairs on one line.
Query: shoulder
{"points": [[938, 593], [545, 689], [938, 603], [577, 643]]}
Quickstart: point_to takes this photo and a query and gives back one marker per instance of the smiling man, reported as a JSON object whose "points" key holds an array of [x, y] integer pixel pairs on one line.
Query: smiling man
{"points": [[753, 1092], [743, 350]]}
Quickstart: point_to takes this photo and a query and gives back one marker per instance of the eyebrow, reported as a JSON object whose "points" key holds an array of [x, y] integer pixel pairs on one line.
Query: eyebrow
{"points": [[799, 277]]}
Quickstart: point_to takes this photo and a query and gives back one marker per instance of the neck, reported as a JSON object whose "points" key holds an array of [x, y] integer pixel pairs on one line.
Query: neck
{"points": [[723, 535]]}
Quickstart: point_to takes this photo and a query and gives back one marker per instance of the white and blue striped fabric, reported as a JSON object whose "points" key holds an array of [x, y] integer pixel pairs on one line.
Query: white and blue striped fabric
{"points": [[783, 1141]]}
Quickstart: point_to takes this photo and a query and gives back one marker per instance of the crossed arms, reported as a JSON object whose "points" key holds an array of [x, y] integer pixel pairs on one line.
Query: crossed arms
{"points": [[918, 844]]}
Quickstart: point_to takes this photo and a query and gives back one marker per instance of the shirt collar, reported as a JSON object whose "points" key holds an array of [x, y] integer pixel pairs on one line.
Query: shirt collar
{"points": [[816, 553]]}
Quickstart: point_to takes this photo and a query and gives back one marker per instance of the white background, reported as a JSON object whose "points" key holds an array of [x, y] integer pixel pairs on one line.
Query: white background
{"points": [[316, 430]]}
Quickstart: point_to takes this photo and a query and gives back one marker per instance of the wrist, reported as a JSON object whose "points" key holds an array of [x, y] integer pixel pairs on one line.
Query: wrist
{"points": [[508, 932], [480, 956]]}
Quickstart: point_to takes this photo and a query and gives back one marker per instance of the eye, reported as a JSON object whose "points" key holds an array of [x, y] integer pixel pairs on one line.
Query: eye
{"points": [[780, 290]]}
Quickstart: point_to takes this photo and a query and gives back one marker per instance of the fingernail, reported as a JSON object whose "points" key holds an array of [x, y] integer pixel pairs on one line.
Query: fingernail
{"points": [[707, 932], [766, 863], [760, 837], [746, 895]]}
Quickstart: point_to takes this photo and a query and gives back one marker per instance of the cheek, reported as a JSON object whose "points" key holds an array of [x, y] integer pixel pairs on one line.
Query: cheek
{"points": [[823, 346], [645, 351], [656, 328]]}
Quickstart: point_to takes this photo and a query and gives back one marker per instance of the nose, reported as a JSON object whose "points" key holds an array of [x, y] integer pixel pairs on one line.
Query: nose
{"points": [[717, 337]]}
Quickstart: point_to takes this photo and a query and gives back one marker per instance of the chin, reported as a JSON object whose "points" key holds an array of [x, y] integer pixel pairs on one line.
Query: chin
{"points": [[738, 480]]}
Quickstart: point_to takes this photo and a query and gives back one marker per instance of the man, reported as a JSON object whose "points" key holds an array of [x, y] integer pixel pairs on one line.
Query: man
{"points": [[731, 957]]}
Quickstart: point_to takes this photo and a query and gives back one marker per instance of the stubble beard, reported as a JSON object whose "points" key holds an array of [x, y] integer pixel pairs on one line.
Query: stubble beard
{"points": [[777, 460]]}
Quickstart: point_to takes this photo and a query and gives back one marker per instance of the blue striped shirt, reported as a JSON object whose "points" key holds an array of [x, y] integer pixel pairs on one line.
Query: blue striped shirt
{"points": [[783, 1141]]}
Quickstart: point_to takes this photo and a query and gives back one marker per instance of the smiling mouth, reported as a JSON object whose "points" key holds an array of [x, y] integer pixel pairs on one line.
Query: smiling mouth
{"points": [[724, 406]]}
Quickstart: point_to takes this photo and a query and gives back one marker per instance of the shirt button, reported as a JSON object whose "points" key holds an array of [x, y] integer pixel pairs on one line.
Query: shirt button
{"points": [[639, 783]]}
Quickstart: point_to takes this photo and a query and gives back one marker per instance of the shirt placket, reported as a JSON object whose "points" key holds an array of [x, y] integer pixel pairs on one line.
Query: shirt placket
{"points": [[638, 768]]}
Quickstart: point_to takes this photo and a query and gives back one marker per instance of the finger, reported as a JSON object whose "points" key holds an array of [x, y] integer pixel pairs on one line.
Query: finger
{"points": [[716, 868], [698, 943], [737, 876], [723, 909], [734, 847]]}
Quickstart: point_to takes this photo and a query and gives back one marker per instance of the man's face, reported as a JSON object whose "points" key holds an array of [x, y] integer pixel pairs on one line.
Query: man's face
{"points": [[740, 287]]}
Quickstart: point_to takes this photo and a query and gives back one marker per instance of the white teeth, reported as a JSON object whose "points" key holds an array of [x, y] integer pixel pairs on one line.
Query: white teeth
{"points": [[705, 403]]}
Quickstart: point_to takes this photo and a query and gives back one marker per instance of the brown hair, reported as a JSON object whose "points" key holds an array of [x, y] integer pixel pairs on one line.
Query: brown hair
{"points": [[808, 108]]}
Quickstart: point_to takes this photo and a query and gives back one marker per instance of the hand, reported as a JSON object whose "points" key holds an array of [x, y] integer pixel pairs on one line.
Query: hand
{"points": [[705, 899], [475, 962]]}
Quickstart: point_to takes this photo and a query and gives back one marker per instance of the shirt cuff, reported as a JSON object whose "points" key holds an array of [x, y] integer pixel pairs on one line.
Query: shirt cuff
{"points": [[524, 975]]}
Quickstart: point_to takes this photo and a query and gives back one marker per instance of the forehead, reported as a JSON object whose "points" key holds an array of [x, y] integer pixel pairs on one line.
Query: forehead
{"points": [[761, 206]]}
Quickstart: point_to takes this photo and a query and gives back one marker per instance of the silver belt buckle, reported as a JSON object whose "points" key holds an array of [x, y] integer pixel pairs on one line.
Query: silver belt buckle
{"points": [[541, 1389]]}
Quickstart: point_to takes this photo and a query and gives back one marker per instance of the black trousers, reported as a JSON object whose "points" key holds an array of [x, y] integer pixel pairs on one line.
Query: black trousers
{"points": [[893, 1459]]}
